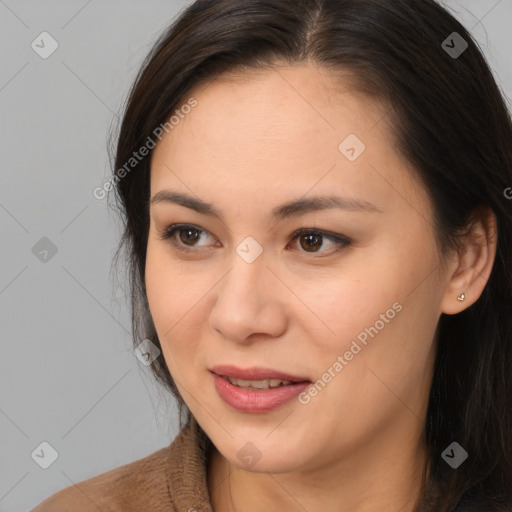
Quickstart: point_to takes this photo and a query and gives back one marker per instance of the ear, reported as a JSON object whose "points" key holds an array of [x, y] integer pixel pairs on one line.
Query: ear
{"points": [[471, 265]]}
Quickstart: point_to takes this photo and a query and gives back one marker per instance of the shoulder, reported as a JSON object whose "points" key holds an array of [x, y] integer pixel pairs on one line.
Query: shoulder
{"points": [[139, 485]]}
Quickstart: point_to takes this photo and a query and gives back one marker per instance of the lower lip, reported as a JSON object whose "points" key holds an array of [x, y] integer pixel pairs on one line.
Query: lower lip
{"points": [[248, 400]]}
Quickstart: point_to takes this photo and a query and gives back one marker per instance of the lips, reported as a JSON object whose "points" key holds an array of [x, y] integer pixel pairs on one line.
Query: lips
{"points": [[256, 373], [257, 401]]}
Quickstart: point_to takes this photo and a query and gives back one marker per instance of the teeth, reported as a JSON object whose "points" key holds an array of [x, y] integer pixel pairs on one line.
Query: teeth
{"points": [[258, 384]]}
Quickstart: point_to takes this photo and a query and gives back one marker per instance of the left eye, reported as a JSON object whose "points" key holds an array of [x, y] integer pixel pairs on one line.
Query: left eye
{"points": [[314, 239], [310, 239]]}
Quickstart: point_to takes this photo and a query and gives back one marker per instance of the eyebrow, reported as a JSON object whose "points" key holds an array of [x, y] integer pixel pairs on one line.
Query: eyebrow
{"points": [[289, 209]]}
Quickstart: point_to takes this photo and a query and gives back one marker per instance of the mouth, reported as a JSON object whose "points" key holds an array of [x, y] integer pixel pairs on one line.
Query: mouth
{"points": [[256, 390], [257, 378]]}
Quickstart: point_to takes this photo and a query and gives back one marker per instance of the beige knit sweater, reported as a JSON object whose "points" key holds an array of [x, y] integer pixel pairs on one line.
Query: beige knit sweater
{"points": [[172, 479]]}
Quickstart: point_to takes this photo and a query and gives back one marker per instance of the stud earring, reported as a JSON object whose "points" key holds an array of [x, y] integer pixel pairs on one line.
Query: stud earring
{"points": [[461, 297]]}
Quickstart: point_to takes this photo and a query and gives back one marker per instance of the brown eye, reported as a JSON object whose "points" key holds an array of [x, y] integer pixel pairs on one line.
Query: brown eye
{"points": [[311, 241], [188, 236]]}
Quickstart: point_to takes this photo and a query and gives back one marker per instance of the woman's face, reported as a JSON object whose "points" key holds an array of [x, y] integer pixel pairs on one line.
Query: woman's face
{"points": [[356, 316]]}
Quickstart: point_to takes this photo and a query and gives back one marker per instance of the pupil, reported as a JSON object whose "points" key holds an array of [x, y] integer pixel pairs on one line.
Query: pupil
{"points": [[189, 238], [315, 238]]}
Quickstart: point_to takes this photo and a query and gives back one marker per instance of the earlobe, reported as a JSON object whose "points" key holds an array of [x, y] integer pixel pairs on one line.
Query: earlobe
{"points": [[456, 301], [474, 263]]}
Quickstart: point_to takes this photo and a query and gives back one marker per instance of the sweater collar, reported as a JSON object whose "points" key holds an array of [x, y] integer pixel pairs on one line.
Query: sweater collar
{"points": [[187, 470]]}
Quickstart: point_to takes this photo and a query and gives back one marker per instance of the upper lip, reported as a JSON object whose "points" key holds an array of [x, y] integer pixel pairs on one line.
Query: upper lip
{"points": [[255, 373]]}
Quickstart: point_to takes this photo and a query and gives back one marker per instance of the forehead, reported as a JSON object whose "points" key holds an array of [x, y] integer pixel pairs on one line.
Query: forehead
{"points": [[279, 131], [288, 100]]}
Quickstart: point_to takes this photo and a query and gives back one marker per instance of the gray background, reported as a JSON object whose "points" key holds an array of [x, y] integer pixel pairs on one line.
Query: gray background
{"points": [[68, 375]]}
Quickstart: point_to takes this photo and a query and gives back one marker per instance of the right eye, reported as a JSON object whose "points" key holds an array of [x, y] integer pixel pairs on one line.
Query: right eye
{"points": [[183, 236]]}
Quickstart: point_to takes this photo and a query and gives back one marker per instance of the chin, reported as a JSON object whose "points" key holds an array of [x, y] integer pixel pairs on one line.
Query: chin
{"points": [[259, 454], [274, 463]]}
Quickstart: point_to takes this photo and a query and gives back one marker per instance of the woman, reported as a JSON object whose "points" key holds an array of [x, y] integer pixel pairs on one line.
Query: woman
{"points": [[316, 197]]}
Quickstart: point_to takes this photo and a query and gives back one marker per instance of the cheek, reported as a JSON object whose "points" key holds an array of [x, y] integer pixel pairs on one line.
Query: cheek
{"points": [[169, 287], [175, 304], [158, 290], [379, 314], [162, 290], [386, 361], [341, 306]]}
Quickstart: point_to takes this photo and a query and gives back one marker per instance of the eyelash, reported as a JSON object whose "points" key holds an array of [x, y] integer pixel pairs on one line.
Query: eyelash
{"points": [[341, 241]]}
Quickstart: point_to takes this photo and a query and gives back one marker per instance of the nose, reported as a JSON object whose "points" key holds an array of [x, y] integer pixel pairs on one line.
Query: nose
{"points": [[250, 303]]}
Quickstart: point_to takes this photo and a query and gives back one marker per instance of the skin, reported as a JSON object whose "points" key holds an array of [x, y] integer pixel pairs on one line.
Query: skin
{"points": [[255, 141]]}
